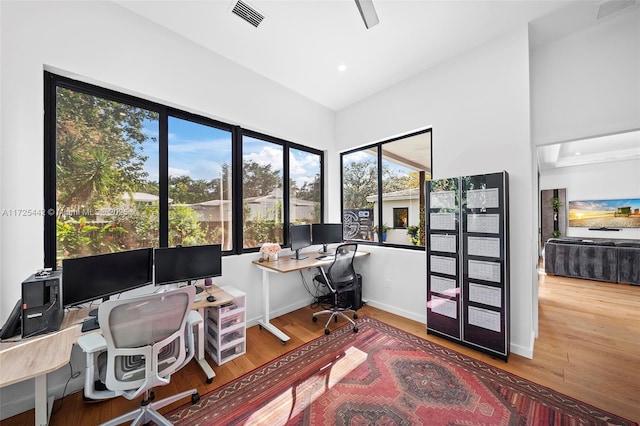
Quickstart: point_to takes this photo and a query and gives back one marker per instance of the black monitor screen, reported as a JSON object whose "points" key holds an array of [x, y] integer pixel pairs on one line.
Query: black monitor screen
{"points": [[181, 264], [89, 278], [326, 233], [300, 236]]}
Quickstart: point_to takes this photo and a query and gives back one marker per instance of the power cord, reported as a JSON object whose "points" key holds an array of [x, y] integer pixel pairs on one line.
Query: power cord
{"points": [[64, 391]]}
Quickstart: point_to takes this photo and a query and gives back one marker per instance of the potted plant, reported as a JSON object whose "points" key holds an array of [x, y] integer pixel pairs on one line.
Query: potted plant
{"points": [[383, 235], [413, 231]]}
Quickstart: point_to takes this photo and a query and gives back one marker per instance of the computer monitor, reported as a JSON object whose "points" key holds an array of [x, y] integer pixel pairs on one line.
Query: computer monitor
{"points": [[300, 238], [186, 264], [89, 278], [326, 233]]}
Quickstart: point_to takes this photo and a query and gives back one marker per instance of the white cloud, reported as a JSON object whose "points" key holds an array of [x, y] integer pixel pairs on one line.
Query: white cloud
{"points": [[178, 172], [267, 155]]}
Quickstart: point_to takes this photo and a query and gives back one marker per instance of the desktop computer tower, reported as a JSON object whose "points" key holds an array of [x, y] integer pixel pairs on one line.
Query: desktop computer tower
{"points": [[41, 304], [352, 298]]}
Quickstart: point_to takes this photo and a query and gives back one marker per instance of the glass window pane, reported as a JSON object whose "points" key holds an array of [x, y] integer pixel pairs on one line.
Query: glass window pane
{"points": [[200, 184], [360, 194], [405, 167], [106, 175], [262, 203], [304, 187]]}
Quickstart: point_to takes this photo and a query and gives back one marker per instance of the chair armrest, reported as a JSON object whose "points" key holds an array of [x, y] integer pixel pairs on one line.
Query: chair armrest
{"points": [[91, 343], [194, 318]]}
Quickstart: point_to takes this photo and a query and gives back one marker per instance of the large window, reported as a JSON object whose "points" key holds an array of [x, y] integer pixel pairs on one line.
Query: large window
{"points": [[262, 192], [200, 184], [267, 203], [383, 190], [106, 159], [304, 186], [122, 172], [359, 193]]}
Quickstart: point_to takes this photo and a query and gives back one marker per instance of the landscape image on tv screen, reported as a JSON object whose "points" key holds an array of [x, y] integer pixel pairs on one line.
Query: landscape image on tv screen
{"points": [[620, 213]]}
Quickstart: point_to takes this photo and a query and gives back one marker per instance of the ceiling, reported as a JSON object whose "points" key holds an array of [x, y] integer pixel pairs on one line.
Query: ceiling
{"points": [[302, 43], [622, 146]]}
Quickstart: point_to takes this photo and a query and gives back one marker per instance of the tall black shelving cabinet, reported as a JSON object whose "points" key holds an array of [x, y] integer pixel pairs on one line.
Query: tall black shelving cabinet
{"points": [[468, 261]]}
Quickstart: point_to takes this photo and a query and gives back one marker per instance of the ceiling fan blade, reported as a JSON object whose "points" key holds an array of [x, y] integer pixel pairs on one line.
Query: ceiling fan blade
{"points": [[368, 12]]}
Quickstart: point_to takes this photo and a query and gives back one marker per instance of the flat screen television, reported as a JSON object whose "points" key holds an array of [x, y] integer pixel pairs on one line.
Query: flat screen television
{"points": [[300, 238], [89, 278], [326, 233], [187, 264], [605, 214]]}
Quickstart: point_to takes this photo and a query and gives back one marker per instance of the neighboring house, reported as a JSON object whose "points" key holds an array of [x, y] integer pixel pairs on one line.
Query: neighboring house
{"points": [[264, 207], [400, 209]]}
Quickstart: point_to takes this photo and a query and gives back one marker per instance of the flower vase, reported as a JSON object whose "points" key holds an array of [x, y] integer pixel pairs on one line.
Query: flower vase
{"points": [[273, 257]]}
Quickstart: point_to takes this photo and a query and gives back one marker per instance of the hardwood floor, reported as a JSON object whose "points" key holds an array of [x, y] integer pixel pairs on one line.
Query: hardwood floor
{"points": [[588, 348]]}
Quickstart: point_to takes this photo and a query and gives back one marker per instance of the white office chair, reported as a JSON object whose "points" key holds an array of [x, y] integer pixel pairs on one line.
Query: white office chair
{"points": [[144, 340]]}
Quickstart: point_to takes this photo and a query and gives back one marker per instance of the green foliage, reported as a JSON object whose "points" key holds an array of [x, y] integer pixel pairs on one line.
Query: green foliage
{"points": [[556, 234], [184, 190], [80, 238], [99, 150], [184, 228], [360, 180], [259, 180], [413, 230], [555, 204]]}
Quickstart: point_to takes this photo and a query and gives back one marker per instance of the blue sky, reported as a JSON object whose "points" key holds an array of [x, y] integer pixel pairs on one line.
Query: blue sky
{"points": [[199, 152]]}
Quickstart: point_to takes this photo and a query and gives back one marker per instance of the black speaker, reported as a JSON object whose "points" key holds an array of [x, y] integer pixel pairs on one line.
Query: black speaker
{"points": [[41, 304]]}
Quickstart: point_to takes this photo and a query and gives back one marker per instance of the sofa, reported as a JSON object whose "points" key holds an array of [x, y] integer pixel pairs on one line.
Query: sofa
{"points": [[594, 259]]}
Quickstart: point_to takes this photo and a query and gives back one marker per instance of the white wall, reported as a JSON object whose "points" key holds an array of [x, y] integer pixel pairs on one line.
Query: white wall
{"points": [[104, 44], [478, 106], [620, 179], [587, 84]]}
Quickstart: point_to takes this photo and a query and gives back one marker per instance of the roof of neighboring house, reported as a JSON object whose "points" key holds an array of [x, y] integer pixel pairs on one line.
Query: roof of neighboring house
{"points": [[404, 194], [141, 197], [210, 203], [275, 196]]}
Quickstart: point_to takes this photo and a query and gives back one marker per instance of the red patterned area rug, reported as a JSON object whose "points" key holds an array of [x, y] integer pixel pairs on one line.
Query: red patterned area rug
{"points": [[384, 376]]}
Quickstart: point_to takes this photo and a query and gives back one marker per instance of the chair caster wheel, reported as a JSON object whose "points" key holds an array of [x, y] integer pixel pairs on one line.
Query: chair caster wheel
{"points": [[335, 319], [314, 319], [209, 380], [355, 329], [195, 398], [260, 326], [355, 316], [327, 331], [284, 342]]}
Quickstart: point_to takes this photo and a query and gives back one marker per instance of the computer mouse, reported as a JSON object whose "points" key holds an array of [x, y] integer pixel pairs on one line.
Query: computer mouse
{"points": [[211, 299]]}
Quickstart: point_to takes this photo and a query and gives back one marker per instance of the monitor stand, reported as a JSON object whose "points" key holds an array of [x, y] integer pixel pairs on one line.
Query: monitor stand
{"points": [[297, 256], [198, 289], [323, 251]]}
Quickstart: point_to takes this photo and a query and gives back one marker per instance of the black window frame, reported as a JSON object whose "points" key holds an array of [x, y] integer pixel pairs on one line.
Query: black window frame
{"points": [[378, 146], [53, 81]]}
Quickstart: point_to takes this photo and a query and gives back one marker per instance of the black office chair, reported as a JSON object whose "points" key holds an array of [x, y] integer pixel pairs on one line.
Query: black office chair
{"points": [[340, 277]]}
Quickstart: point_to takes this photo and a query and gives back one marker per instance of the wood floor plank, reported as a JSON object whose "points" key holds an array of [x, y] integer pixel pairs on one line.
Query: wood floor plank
{"points": [[588, 348]]}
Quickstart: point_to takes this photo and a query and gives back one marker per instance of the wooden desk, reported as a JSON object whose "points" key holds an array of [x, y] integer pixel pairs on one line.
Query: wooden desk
{"points": [[283, 265], [37, 356]]}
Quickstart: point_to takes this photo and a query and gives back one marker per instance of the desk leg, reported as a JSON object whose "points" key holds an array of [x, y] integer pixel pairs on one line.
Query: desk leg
{"points": [[200, 349], [43, 403], [264, 322]]}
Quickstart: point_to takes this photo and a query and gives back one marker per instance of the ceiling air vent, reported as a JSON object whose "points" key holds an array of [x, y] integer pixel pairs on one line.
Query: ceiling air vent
{"points": [[610, 7], [247, 13]]}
